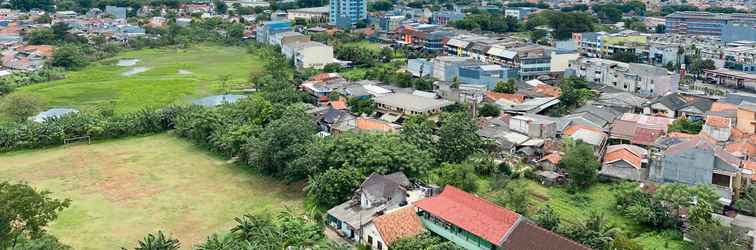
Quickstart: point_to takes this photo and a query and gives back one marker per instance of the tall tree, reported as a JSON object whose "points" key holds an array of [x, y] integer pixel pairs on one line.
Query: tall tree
{"points": [[25, 212], [20, 106], [461, 175], [278, 144], [747, 201], [506, 87], [458, 138], [580, 163], [418, 131], [514, 196]]}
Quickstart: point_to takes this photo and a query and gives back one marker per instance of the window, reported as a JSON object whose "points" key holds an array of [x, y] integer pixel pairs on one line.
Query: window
{"points": [[370, 240], [380, 246]]}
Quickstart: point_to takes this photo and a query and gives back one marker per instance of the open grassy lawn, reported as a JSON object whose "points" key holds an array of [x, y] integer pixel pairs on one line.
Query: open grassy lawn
{"points": [[364, 45], [123, 189], [598, 198], [171, 76]]}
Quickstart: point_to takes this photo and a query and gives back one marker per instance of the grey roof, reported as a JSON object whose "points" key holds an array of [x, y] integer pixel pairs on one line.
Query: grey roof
{"points": [[604, 113], [353, 214], [621, 99], [703, 104], [379, 188], [647, 70], [666, 142], [399, 178], [590, 137], [672, 101], [737, 98], [52, 113], [212, 101], [411, 102], [333, 115], [583, 118]]}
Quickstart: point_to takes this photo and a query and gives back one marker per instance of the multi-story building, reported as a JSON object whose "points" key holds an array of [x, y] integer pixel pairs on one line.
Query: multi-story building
{"points": [[446, 68], [739, 31], [311, 54], [519, 12], [265, 30], [604, 45], [664, 53], [423, 36], [390, 23], [347, 11], [742, 58], [703, 23], [444, 17], [409, 104], [530, 61], [485, 75], [641, 79], [319, 14], [285, 37]]}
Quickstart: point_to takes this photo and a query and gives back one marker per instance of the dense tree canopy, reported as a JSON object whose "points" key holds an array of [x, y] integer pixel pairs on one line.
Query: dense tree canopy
{"points": [[458, 138], [580, 163], [564, 24], [25, 212], [20, 106], [686, 126], [488, 22]]}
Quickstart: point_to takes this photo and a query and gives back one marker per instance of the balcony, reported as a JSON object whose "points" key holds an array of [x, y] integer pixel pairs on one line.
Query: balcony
{"points": [[457, 235]]}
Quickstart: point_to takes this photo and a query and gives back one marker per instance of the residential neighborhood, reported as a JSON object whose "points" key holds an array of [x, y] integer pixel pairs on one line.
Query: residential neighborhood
{"points": [[352, 124]]}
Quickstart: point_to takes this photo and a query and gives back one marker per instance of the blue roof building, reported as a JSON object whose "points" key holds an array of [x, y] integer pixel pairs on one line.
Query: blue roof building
{"points": [[268, 29]]}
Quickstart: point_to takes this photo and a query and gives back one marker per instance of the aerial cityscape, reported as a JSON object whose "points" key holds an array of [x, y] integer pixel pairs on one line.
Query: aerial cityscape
{"points": [[380, 124]]}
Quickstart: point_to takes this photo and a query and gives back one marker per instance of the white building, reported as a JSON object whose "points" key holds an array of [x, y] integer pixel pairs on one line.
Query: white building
{"points": [[308, 54], [642, 79]]}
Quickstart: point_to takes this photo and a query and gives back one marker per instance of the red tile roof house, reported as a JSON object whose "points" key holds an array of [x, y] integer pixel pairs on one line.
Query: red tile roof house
{"points": [[626, 162], [395, 225], [474, 223]]}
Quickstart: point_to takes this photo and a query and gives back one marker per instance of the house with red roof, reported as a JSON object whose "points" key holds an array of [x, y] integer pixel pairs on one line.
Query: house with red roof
{"points": [[474, 223], [627, 162], [392, 226], [642, 130]]}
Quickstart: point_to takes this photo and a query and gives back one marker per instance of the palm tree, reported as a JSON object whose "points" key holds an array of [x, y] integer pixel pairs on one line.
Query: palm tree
{"points": [[601, 232], [257, 230], [216, 242], [158, 242]]}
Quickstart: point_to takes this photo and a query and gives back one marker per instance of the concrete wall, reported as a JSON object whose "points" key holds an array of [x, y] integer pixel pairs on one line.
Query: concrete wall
{"points": [[746, 121], [692, 166], [371, 231], [315, 57]]}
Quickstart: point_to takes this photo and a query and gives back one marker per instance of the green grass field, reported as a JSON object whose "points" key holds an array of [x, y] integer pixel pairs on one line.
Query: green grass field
{"points": [[173, 76], [600, 199], [123, 189]]}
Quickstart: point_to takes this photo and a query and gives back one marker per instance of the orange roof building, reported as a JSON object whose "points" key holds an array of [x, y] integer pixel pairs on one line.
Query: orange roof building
{"points": [[495, 96], [624, 161], [548, 90], [375, 125], [393, 226]]}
